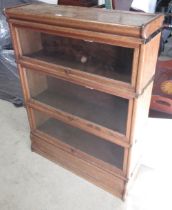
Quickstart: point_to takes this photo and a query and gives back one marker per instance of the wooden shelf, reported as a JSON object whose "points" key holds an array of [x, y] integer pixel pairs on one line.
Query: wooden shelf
{"points": [[105, 67], [80, 140], [87, 77], [81, 78], [90, 67], [103, 109], [98, 113], [106, 21], [114, 183], [95, 58]]}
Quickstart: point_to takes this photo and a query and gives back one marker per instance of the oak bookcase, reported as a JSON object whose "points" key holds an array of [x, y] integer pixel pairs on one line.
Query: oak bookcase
{"points": [[87, 78]]}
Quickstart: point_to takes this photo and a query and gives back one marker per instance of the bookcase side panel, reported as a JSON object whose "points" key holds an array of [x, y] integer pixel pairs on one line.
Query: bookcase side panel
{"points": [[139, 120], [147, 63]]}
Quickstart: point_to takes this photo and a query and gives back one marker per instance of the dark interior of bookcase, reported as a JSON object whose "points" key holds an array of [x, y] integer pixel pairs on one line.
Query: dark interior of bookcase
{"points": [[98, 107], [105, 60], [100, 149]]}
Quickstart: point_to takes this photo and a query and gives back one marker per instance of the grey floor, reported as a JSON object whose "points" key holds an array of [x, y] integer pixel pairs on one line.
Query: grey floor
{"points": [[31, 182]]}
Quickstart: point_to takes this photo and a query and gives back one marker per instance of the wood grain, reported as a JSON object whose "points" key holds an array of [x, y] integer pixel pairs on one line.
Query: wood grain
{"points": [[106, 156], [113, 39], [85, 125], [80, 167], [83, 102], [91, 81], [117, 22], [139, 119], [147, 62]]}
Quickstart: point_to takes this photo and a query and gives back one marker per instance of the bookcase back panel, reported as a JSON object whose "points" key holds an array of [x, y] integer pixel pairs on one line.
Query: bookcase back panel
{"points": [[103, 109], [100, 59], [82, 141]]}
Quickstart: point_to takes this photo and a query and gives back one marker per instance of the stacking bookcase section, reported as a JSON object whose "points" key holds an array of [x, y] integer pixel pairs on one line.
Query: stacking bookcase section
{"points": [[79, 59], [87, 78], [89, 109], [82, 55], [89, 104], [80, 141]]}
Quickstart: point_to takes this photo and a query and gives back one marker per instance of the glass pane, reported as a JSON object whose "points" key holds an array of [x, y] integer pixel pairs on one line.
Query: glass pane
{"points": [[96, 58], [103, 109], [78, 139]]}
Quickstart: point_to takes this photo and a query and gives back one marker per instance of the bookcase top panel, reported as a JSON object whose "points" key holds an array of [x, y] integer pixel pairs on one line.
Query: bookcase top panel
{"points": [[131, 24]]}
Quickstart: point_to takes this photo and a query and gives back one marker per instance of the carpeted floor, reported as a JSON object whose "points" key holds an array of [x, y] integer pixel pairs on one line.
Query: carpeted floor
{"points": [[31, 182]]}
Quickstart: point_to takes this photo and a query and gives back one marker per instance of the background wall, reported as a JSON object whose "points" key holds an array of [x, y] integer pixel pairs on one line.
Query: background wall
{"points": [[101, 1]]}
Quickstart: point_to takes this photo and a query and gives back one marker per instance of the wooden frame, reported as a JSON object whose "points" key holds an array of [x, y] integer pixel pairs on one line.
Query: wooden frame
{"points": [[143, 38]]}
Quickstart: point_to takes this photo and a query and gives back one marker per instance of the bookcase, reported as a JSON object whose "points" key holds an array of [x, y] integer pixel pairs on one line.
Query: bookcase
{"points": [[87, 78]]}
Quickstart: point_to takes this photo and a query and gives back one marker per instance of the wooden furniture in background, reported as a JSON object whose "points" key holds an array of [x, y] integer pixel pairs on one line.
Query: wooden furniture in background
{"points": [[162, 90], [83, 3], [87, 80]]}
